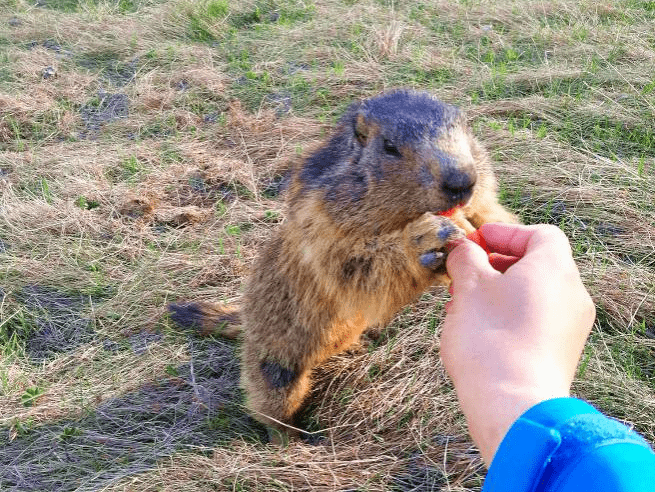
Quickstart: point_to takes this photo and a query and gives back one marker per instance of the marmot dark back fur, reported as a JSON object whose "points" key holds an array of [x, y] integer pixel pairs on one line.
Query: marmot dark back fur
{"points": [[361, 240]]}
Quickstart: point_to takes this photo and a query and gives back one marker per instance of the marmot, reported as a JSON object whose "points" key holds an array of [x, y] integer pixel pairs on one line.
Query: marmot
{"points": [[362, 239]]}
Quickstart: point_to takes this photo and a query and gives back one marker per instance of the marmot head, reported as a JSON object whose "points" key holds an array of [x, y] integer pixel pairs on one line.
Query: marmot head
{"points": [[392, 158]]}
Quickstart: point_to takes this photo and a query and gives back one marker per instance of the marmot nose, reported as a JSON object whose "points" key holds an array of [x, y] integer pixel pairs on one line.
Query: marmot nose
{"points": [[458, 185]]}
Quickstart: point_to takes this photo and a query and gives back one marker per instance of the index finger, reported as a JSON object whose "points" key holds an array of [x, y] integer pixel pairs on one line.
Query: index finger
{"points": [[517, 240]]}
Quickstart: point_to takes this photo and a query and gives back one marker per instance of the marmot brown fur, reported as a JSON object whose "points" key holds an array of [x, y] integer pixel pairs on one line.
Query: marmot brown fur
{"points": [[362, 239]]}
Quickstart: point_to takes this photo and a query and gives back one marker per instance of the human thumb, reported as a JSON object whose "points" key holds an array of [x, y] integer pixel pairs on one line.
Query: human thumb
{"points": [[466, 262]]}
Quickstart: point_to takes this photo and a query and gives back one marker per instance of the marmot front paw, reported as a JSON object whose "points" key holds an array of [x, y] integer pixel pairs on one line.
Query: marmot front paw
{"points": [[427, 235]]}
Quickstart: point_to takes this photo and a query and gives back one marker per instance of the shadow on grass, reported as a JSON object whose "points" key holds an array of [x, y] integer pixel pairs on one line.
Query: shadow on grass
{"points": [[197, 408], [419, 478], [56, 323], [103, 109]]}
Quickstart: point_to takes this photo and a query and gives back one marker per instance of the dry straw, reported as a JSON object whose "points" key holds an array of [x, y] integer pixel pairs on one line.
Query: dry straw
{"points": [[147, 169]]}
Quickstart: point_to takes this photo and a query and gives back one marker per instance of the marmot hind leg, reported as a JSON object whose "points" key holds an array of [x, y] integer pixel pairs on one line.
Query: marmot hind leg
{"points": [[274, 393], [210, 318]]}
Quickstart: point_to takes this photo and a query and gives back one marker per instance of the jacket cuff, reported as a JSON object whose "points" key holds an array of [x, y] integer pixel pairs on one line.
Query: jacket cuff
{"points": [[528, 446]]}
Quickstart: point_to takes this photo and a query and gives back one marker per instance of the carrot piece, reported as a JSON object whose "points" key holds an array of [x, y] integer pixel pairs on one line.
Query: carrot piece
{"points": [[477, 238], [498, 262], [448, 213], [501, 262]]}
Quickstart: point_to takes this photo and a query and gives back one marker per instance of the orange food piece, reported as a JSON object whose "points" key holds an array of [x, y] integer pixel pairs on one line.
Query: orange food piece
{"points": [[477, 238], [448, 213], [498, 261]]}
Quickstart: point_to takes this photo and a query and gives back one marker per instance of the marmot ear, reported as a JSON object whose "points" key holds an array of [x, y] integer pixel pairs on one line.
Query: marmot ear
{"points": [[361, 129]]}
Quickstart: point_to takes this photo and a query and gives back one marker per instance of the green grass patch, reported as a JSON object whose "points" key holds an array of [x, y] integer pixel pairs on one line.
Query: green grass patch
{"points": [[86, 204], [6, 75], [429, 16], [160, 127], [636, 360], [272, 216], [509, 57], [61, 5], [203, 19], [282, 12], [37, 188], [607, 136], [286, 92], [646, 6], [499, 87], [14, 329], [130, 169], [215, 20], [31, 395], [407, 74], [600, 134], [206, 104], [22, 132], [118, 6], [170, 155]]}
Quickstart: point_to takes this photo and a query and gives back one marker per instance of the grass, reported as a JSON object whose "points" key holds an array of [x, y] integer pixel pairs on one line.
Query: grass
{"points": [[148, 171]]}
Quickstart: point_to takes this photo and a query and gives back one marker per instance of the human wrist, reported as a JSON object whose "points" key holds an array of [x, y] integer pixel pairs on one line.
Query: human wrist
{"points": [[489, 424]]}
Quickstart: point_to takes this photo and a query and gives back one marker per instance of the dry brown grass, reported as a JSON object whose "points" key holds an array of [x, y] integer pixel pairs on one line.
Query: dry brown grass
{"points": [[169, 199]]}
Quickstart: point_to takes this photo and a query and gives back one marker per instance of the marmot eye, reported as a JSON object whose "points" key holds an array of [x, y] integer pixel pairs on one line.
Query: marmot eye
{"points": [[390, 148]]}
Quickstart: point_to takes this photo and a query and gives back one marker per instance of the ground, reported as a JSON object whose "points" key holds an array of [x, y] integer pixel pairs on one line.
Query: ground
{"points": [[142, 143]]}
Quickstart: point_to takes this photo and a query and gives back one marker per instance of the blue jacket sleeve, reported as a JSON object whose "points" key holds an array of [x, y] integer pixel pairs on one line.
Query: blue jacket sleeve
{"points": [[566, 445]]}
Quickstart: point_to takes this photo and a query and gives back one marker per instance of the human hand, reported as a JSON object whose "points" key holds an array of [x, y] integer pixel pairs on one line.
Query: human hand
{"points": [[511, 340]]}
